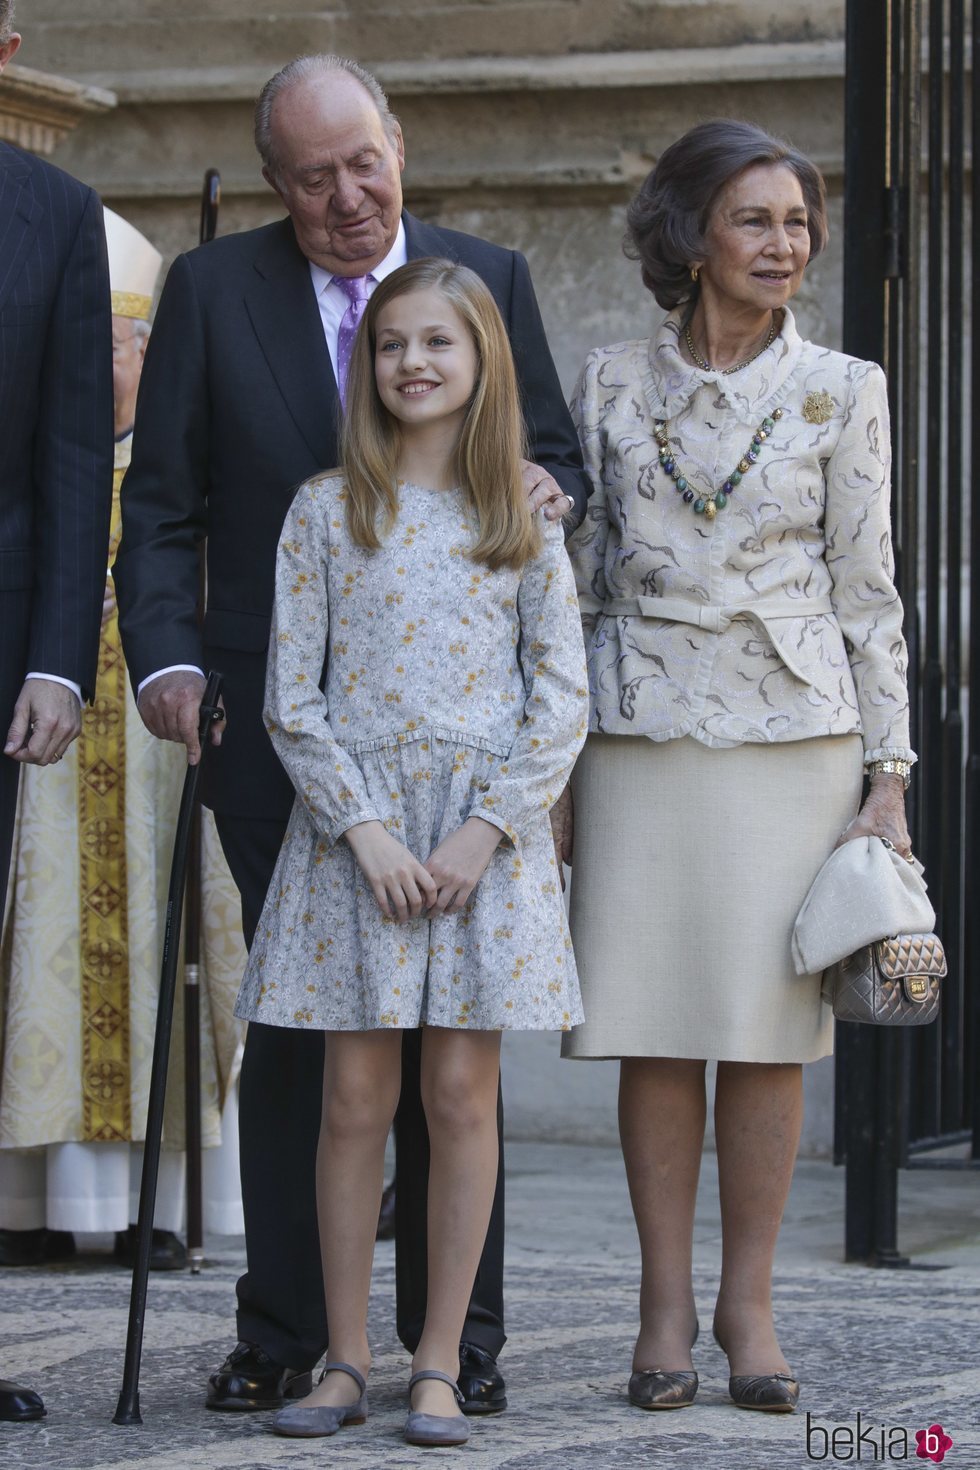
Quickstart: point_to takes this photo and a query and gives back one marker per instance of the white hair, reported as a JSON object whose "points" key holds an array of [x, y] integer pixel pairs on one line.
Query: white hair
{"points": [[302, 69]]}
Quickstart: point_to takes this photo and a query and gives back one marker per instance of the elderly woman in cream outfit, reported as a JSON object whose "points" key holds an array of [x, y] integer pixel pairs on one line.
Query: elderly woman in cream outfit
{"points": [[747, 669]]}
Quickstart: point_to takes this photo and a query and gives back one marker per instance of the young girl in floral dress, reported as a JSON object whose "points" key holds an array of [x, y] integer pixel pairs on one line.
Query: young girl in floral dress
{"points": [[417, 883]]}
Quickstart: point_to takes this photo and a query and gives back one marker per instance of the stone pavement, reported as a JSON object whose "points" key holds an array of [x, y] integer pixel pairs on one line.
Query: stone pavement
{"points": [[898, 1347]]}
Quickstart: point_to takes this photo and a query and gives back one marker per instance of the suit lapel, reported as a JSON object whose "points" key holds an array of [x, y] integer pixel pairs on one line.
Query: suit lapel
{"points": [[283, 311], [20, 216], [285, 317], [422, 239]]}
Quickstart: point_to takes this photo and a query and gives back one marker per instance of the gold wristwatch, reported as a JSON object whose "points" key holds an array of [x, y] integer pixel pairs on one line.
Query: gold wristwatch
{"points": [[892, 767]]}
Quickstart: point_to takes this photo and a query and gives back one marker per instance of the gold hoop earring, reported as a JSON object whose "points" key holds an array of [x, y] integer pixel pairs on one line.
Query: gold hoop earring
{"points": [[695, 272]]}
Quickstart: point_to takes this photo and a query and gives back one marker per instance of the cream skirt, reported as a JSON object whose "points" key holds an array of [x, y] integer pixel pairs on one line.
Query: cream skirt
{"points": [[690, 867]]}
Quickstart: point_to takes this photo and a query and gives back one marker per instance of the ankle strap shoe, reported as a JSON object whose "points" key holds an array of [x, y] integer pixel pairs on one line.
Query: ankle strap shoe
{"points": [[299, 1422], [435, 1429]]}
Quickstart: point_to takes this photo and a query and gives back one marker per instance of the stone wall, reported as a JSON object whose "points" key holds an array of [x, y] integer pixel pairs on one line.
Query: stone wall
{"points": [[555, 109], [526, 121], [38, 111]]}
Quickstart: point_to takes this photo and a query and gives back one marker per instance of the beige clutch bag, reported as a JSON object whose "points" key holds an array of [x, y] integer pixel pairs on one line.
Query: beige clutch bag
{"points": [[865, 892]]}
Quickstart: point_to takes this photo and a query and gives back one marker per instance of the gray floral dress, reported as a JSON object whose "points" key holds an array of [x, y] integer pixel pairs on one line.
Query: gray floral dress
{"points": [[450, 691]]}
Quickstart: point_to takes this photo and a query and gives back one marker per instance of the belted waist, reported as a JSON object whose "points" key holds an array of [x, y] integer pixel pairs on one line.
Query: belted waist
{"points": [[714, 619]]}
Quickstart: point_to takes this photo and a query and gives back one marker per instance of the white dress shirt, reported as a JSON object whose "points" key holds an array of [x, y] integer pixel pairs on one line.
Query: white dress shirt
{"points": [[76, 689], [333, 303]]}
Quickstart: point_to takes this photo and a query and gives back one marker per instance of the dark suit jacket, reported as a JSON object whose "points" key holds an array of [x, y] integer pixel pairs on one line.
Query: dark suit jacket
{"points": [[56, 448], [237, 406]]}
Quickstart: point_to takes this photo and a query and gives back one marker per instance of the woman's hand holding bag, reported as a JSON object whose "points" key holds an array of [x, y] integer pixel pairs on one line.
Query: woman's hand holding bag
{"points": [[882, 815], [867, 924]]}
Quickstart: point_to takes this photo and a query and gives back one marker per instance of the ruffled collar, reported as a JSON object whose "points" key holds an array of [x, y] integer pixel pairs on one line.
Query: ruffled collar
{"points": [[671, 381]]}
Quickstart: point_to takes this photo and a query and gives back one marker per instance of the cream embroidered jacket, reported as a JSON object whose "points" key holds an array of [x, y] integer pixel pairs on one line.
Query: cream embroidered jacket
{"points": [[779, 619]]}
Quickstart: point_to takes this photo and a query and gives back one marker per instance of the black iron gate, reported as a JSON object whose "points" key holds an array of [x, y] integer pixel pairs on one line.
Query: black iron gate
{"points": [[911, 1098]]}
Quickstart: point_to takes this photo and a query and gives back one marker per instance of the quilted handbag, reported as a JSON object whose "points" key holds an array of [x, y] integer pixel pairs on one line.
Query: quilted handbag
{"points": [[894, 982]]}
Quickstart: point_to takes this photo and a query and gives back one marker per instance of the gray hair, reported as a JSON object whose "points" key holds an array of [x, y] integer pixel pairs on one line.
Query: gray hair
{"points": [[6, 20], [302, 69], [668, 215]]}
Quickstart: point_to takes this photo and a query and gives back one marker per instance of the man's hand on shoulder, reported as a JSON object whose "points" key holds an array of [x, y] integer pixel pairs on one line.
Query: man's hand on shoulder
{"points": [[47, 718], [543, 489], [170, 708]]}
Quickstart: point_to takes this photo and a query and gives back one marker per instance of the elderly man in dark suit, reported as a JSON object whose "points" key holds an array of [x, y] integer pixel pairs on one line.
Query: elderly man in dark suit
{"points": [[239, 402], [55, 477]]}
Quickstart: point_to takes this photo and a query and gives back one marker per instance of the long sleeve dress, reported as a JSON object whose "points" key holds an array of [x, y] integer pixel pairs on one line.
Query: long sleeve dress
{"points": [[448, 691]]}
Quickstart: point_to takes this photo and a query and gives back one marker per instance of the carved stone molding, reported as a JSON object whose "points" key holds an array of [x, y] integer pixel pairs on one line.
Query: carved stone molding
{"points": [[569, 127], [38, 110], [605, 71]]}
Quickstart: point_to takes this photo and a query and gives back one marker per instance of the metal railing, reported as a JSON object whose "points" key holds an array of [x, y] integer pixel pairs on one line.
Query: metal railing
{"points": [[909, 108]]}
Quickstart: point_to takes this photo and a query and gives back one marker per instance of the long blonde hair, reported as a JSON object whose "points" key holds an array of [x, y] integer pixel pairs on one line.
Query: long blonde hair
{"points": [[487, 461]]}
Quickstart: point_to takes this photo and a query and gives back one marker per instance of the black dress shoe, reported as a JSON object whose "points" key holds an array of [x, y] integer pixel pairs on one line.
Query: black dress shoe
{"points": [[480, 1383], [386, 1218], [249, 1379], [19, 1405], [35, 1248], [167, 1251]]}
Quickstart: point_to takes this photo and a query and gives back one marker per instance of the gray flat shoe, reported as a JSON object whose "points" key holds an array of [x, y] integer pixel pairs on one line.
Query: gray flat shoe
{"points": [[297, 1421], [435, 1429]]}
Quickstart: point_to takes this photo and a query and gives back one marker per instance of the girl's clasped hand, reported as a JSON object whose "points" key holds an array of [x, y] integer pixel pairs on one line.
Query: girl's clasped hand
{"points": [[406, 888]]}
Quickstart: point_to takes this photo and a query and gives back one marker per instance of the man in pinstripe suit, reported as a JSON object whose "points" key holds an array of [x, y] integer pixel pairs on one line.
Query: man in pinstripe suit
{"points": [[55, 477]]}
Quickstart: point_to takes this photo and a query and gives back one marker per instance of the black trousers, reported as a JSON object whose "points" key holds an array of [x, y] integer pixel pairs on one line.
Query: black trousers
{"points": [[280, 1298], [14, 616]]}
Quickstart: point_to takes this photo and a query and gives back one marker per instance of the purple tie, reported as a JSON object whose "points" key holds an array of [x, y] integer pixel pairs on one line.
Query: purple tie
{"points": [[356, 289]]}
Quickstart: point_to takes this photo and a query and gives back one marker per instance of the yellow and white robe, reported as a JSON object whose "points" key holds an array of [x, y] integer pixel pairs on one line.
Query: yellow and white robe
{"points": [[82, 942]]}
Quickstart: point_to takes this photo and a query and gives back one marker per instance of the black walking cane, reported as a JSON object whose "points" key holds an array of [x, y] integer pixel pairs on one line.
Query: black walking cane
{"points": [[193, 1172], [128, 1407], [210, 200]]}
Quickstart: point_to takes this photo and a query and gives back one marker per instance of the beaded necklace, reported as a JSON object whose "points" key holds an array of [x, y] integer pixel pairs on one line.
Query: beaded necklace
{"points": [[709, 505]]}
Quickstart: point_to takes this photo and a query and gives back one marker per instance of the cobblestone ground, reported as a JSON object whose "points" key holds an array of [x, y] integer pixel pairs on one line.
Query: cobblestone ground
{"points": [[899, 1347]]}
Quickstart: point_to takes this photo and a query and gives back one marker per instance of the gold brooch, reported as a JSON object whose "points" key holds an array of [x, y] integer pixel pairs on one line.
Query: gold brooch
{"points": [[818, 408]]}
